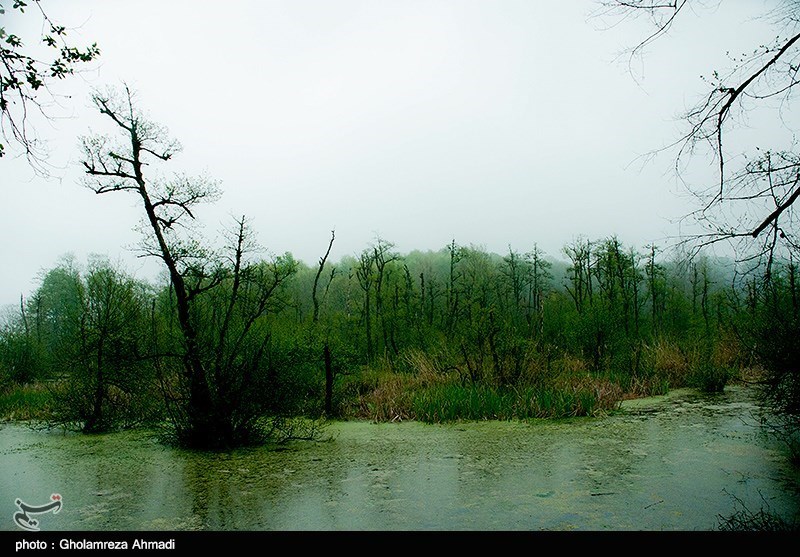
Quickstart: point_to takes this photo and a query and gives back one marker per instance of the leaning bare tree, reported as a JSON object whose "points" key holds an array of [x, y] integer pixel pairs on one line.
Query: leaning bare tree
{"points": [[119, 165], [218, 301], [751, 200]]}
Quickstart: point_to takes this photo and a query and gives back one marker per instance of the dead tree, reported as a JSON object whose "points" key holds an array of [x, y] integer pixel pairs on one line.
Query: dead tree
{"points": [[326, 350]]}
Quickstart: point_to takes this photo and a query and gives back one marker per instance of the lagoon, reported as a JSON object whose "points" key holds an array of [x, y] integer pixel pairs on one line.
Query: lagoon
{"points": [[677, 462]]}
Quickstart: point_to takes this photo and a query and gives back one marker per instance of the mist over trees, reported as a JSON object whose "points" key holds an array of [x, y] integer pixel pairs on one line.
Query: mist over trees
{"points": [[458, 333], [234, 344]]}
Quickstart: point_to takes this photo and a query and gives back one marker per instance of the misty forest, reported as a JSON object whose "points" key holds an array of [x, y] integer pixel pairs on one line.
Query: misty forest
{"points": [[235, 354]]}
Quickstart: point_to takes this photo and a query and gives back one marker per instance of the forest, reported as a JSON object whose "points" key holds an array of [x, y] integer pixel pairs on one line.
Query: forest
{"points": [[456, 334], [234, 346]]}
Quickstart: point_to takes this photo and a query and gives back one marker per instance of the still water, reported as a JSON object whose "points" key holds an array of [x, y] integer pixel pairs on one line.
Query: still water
{"points": [[665, 463]]}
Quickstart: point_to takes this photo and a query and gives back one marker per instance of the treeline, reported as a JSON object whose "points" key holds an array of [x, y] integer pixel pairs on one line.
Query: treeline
{"points": [[460, 333], [526, 335]]}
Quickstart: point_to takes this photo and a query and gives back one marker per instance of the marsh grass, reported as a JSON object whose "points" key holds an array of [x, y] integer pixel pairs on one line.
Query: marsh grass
{"points": [[425, 392], [420, 386], [26, 402], [453, 402], [710, 372]]}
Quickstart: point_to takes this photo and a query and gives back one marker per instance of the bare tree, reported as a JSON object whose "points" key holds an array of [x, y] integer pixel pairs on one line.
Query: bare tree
{"points": [[219, 301], [321, 267], [382, 256], [365, 273], [751, 201], [119, 166], [326, 349]]}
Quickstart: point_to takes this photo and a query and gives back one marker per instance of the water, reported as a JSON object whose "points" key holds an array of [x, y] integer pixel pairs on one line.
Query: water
{"points": [[666, 463]]}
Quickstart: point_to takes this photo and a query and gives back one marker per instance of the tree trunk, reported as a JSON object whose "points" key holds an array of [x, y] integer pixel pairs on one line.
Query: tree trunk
{"points": [[326, 354]]}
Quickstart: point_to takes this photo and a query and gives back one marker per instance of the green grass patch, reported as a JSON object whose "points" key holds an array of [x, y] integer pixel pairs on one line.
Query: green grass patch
{"points": [[472, 402], [26, 402], [452, 402]]}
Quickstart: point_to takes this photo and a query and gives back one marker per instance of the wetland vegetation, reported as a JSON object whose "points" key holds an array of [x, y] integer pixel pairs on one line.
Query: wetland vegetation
{"points": [[628, 386]]}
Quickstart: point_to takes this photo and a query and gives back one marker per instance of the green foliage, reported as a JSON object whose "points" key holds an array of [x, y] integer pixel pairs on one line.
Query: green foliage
{"points": [[250, 373], [24, 77], [768, 330], [436, 336], [20, 356], [709, 377], [96, 324], [26, 402]]}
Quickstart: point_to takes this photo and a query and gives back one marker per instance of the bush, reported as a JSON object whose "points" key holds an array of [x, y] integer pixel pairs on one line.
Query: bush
{"points": [[76, 404], [710, 379], [665, 360]]}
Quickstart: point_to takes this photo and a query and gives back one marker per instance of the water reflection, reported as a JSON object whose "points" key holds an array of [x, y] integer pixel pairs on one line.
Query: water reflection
{"points": [[674, 463]]}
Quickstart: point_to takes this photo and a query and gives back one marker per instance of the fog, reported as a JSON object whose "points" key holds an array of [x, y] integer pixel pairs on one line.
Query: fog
{"points": [[493, 123]]}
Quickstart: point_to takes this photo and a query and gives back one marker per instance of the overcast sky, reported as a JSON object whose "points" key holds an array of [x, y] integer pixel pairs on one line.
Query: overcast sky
{"points": [[491, 122]]}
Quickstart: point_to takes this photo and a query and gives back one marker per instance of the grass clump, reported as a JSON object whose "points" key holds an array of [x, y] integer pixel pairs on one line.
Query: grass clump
{"points": [[25, 402], [423, 391]]}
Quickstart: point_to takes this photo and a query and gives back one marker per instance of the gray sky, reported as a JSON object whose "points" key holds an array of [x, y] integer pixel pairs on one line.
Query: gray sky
{"points": [[491, 122]]}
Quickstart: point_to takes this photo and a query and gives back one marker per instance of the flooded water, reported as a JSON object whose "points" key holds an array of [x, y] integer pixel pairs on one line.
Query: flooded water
{"points": [[667, 463]]}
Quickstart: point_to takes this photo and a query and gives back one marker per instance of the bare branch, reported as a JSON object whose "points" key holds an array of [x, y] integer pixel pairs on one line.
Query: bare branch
{"points": [[322, 261], [773, 216], [758, 193]]}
